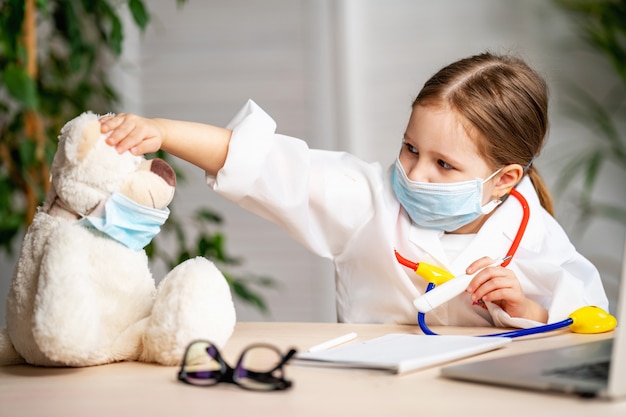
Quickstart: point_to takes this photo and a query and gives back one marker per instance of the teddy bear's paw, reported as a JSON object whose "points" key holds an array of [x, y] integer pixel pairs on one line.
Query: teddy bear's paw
{"points": [[193, 302], [8, 354]]}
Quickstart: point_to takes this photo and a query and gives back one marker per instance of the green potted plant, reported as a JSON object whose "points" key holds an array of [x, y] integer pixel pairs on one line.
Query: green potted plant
{"points": [[55, 56], [603, 26]]}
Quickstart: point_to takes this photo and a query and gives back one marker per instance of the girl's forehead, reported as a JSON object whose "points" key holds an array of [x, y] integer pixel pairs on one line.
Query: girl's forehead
{"points": [[439, 128]]}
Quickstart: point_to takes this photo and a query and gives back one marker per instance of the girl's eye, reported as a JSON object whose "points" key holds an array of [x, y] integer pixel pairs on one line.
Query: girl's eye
{"points": [[411, 148], [444, 164]]}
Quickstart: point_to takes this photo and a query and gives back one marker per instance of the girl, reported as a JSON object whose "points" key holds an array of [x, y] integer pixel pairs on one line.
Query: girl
{"points": [[475, 129]]}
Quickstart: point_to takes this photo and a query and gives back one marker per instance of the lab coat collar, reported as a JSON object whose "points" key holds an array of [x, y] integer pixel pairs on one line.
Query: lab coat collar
{"points": [[429, 240], [495, 236], [534, 234]]}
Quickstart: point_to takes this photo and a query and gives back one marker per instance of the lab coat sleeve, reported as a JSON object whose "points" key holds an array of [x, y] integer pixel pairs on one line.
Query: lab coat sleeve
{"points": [[318, 197]]}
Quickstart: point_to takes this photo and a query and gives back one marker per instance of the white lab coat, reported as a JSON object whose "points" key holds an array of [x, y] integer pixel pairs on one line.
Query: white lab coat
{"points": [[344, 209]]}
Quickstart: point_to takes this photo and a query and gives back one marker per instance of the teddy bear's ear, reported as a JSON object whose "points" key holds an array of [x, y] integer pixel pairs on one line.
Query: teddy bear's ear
{"points": [[89, 136], [79, 136]]}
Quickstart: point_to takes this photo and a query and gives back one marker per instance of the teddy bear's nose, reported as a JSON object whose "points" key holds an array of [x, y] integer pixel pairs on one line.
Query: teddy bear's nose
{"points": [[163, 170]]}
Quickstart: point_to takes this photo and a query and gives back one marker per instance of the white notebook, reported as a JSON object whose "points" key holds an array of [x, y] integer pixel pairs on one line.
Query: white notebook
{"points": [[399, 353]]}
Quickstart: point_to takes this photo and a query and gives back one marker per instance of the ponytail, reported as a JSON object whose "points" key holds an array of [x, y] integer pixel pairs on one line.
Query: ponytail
{"points": [[542, 190]]}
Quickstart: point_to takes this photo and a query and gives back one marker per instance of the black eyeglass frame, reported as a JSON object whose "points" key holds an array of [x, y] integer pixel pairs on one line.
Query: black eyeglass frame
{"points": [[227, 372]]}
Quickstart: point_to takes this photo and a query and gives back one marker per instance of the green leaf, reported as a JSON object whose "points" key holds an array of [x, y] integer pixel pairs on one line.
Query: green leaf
{"points": [[11, 20], [240, 288], [592, 168], [139, 12], [20, 86], [570, 171], [610, 212], [26, 150], [591, 113], [116, 37], [205, 214]]}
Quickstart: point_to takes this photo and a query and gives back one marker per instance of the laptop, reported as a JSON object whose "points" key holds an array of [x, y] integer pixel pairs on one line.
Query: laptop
{"points": [[591, 369]]}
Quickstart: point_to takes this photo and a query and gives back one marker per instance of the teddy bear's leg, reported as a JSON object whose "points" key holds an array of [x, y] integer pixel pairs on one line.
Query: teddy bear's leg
{"points": [[8, 354], [65, 321], [128, 345], [193, 302]]}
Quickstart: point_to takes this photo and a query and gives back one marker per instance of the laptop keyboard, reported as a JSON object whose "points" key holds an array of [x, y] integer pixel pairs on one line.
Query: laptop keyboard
{"points": [[588, 371]]}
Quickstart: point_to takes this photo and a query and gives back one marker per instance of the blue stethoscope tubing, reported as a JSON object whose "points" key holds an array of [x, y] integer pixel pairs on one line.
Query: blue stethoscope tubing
{"points": [[421, 320], [421, 317]]}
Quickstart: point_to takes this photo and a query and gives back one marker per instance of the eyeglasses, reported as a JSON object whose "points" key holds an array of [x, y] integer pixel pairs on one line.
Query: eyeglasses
{"points": [[259, 368]]}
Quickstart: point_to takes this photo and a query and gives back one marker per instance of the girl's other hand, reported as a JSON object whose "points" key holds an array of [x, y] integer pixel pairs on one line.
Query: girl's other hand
{"points": [[129, 132], [501, 286]]}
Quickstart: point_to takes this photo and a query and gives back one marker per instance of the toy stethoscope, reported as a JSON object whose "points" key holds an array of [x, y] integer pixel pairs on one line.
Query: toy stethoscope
{"points": [[586, 320]]}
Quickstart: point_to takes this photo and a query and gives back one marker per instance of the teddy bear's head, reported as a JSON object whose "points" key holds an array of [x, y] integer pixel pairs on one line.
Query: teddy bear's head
{"points": [[88, 176]]}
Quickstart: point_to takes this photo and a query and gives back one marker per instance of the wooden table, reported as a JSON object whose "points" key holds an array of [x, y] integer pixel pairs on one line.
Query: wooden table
{"points": [[137, 389]]}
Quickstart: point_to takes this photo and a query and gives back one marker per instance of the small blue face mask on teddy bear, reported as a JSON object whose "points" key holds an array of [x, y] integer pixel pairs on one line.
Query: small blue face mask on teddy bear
{"points": [[130, 223]]}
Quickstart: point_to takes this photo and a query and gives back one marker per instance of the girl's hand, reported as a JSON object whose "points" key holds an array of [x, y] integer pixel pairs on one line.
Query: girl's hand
{"points": [[132, 133], [501, 286]]}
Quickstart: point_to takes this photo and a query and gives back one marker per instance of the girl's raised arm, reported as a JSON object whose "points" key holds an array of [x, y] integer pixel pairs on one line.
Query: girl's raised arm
{"points": [[203, 145]]}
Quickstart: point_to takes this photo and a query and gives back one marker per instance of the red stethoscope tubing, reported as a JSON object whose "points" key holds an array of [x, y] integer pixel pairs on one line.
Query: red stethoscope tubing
{"points": [[522, 226]]}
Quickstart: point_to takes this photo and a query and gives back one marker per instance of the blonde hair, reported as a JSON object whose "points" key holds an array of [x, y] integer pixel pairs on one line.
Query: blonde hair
{"points": [[506, 101]]}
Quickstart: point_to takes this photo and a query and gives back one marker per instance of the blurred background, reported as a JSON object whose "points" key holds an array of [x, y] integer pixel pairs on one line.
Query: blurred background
{"points": [[342, 75]]}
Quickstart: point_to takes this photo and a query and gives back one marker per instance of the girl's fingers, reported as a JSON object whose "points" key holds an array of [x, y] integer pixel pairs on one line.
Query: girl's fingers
{"points": [[129, 132], [144, 147], [111, 122], [104, 119], [490, 285], [500, 294], [123, 133], [484, 276], [478, 264]]}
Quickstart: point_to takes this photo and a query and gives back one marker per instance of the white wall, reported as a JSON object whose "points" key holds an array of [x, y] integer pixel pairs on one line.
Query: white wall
{"points": [[341, 75]]}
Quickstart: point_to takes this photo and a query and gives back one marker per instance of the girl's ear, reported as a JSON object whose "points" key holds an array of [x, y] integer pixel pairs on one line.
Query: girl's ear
{"points": [[509, 176]]}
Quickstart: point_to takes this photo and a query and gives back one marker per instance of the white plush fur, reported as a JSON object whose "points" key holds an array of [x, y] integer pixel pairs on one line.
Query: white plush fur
{"points": [[79, 298]]}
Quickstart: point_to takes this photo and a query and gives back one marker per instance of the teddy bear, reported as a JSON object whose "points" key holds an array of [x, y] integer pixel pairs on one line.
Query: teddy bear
{"points": [[82, 292]]}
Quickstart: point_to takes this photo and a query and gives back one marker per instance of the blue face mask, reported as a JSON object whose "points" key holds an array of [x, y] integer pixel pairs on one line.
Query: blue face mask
{"points": [[441, 206], [128, 222]]}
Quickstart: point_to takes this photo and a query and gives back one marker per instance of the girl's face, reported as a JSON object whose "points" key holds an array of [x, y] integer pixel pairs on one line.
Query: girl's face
{"points": [[438, 149]]}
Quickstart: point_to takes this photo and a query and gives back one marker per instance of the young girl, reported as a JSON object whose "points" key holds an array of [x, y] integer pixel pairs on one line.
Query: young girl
{"points": [[475, 129]]}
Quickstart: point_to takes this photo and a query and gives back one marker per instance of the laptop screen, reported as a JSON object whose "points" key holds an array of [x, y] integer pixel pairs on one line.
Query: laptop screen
{"points": [[617, 372]]}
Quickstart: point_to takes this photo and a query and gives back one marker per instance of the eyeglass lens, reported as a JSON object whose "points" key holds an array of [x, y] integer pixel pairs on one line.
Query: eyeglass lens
{"points": [[202, 364], [259, 367]]}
